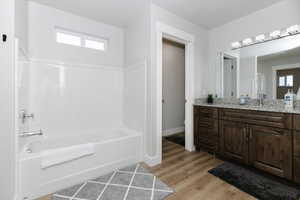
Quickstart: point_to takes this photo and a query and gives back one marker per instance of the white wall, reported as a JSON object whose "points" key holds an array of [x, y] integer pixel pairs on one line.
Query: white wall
{"points": [[42, 45], [137, 36], [7, 134], [201, 46], [173, 88], [280, 15], [21, 23]]}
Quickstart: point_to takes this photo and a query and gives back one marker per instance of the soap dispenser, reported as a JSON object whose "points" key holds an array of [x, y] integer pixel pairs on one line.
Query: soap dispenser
{"points": [[289, 100]]}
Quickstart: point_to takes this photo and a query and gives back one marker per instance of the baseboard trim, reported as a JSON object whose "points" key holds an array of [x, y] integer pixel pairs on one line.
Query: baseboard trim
{"points": [[152, 161], [173, 131]]}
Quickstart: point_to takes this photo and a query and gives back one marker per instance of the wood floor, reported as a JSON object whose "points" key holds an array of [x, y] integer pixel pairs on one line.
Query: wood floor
{"points": [[187, 173]]}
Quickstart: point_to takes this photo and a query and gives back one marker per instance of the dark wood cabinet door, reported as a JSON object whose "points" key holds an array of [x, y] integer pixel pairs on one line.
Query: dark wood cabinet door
{"points": [[271, 150], [234, 141], [196, 127]]}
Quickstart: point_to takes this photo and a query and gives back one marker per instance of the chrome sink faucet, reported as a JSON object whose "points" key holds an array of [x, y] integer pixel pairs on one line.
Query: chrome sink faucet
{"points": [[261, 98]]}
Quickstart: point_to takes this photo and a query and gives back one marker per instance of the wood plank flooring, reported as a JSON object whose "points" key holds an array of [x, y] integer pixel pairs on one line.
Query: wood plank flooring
{"points": [[186, 172]]}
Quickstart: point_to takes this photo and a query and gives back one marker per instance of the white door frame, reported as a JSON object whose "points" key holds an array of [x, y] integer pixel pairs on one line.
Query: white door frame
{"points": [[8, 147], [237, 60], [166, 31]]}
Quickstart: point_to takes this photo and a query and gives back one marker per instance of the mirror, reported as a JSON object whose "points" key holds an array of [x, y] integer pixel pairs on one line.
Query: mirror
{"points": [[269, 69]]}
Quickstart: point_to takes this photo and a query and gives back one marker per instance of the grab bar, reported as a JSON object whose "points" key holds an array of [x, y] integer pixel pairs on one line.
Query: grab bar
{"points": [[30, 134]]}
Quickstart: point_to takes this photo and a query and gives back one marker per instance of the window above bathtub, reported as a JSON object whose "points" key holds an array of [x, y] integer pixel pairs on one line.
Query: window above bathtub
{"points": [[80, 40]]}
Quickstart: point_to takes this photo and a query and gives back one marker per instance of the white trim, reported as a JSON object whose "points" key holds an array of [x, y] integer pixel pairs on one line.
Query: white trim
{"points": [[56, 63], [16, 120], [173, 131], [136, 65], [274, 75], [164, 30], [152, 161]]}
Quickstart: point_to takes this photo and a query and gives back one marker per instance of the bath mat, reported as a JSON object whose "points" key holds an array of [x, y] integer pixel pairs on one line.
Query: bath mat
{"points": [[260, 186], [178, 138], [129, 183]]}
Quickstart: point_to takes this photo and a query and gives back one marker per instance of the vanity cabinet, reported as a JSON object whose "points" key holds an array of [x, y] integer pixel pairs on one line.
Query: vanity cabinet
{"points": [[296, 145], [263, 140], [234, 141]]}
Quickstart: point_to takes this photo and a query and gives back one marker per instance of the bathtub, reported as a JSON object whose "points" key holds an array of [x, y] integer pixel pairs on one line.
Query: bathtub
{"points": [[113, 149]]}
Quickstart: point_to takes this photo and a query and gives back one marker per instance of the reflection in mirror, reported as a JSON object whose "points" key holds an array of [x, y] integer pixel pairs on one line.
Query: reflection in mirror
{"points": [[282, 72], [229, 76], [265, 70]]}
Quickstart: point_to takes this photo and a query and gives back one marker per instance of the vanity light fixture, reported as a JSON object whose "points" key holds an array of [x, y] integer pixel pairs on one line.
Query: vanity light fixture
{"points": [[293, 29], [260, 38], [247, 41], [236, 45], [275, 34]]}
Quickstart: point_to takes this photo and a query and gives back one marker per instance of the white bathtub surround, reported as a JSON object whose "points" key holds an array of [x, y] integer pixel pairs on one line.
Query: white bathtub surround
{"points": [[76, 104], [54, 157], [113, 149], [134, 109], [58, 92]]}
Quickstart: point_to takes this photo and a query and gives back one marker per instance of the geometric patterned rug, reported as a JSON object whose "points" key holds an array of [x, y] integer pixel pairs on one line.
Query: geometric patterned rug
{"points": [[130, 183]]}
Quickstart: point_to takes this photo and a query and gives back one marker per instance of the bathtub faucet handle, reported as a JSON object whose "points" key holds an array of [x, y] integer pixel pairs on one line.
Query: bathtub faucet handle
{"points": [[33, 133]]}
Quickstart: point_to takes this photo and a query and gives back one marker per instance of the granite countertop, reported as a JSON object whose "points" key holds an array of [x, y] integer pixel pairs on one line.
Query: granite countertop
{"points": [[267, 108]]}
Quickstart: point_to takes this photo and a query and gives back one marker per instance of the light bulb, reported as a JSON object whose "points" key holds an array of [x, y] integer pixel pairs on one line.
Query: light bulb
{"points": [[247, 41], [275, 34], [236, 45], [260, 38], [293, 29]]}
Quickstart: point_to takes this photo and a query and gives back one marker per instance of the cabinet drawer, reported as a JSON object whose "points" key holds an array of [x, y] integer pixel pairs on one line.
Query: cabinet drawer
{"points": [[270, 119], [206, 112], [209, 147], [297, 122], [208, 124]]}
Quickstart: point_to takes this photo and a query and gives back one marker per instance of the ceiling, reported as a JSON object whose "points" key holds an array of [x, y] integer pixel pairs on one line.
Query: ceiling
{"points": [[207, 13], [115, 12], [213, 13]]}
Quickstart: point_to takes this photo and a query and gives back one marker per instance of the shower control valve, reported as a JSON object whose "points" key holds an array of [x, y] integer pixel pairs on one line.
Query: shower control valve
{"points": [[25, 116]]}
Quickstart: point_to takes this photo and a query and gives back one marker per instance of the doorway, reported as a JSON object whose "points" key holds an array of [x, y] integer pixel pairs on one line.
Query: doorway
{"points": [[287, 79], [229, 77], [177, 35], [173, 89]]}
